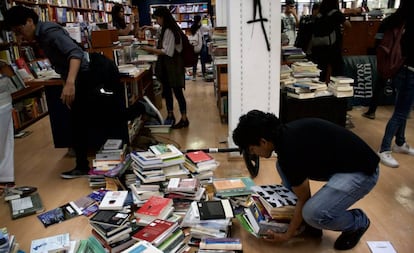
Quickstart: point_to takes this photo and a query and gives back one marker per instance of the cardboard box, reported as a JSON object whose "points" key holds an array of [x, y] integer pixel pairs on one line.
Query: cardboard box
{"points": [[104, 38]]}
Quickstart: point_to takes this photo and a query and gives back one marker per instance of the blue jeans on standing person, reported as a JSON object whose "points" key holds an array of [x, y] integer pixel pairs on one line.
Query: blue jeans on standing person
{"points": [[328, 207], [404, 99]]}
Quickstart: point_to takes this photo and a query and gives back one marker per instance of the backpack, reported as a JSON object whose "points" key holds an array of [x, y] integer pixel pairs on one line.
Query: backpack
{"points": [[188, 53], [389, 56], [196, 40], [323, 33]]}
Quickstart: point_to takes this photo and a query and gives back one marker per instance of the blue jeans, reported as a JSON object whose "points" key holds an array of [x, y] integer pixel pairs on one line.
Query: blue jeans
{"points": [[404, 86], [328, 208]]}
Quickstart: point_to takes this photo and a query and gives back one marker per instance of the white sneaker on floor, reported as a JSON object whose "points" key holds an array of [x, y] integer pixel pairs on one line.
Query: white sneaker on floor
{"points": [[403, 149], [387, 159]]}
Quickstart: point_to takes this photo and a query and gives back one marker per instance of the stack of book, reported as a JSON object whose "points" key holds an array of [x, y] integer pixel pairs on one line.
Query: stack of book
{"points": [[168, 153], [300, 91], [286, 75], [163, 234], [341, 86], [141, 193], [112, 229], [200, 164], [156, 207], [305, 69], [183, 192], [278, 201], [293, 54], [219, 244], [8, 241]]}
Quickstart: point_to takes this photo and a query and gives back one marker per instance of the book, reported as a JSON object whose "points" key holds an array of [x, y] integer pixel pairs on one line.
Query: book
{"points": [[306, 95], [278, 200], [230, 187], [107, 231], [18, 192], [142, 247], [146, 158], [110, 218], [113, 200], [111, 144], [155, 207], [156, 231], [200, 156], [215, 209], [342, 79], [221, 243], [59, 214], [55, 243], [165, 151], [183, 185], [381, 247], [25, 206]]}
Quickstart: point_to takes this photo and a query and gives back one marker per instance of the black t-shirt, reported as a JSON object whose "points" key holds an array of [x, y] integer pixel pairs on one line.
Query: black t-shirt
{"points": [[316, 149]]}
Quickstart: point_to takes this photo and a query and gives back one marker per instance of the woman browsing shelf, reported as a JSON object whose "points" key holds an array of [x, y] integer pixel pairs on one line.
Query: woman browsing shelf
{"points": [[170, 66], [118, 21]]}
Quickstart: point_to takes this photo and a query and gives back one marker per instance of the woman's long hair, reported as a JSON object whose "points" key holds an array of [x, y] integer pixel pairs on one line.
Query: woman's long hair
{"points": [[196, 25], [168, 23], [116, 9]]}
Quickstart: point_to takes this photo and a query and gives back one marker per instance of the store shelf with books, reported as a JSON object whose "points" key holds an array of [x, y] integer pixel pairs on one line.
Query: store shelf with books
{"points": [[184, 13]]}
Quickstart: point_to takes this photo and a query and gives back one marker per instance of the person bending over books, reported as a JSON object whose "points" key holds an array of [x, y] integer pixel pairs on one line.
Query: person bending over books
{"points": [[89, 109], [315, 149]]}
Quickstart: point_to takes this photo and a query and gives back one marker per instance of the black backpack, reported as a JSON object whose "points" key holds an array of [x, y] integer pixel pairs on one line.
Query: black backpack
{"points": [[324, 33]]}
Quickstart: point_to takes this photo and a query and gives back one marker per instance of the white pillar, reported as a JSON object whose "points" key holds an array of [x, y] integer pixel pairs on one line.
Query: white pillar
{"points": [[254, 71]]}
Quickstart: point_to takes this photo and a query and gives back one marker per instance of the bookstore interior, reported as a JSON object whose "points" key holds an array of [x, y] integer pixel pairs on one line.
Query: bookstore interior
{"points": [[163, 199]]}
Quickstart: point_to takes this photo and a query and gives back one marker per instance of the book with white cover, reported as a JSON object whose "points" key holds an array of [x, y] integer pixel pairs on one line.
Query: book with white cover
{"points": [[342, 79], [113, 200]]}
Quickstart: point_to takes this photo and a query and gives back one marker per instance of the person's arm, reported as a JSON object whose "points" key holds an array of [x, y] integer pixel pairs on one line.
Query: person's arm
{"points": [[303, 194], [168, 45], [68, 92]]}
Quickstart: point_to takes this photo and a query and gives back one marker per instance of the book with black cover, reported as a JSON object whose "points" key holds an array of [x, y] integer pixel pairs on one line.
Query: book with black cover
{"points": [[26, 206], [110, 218], [215, 209], [60, 214]]}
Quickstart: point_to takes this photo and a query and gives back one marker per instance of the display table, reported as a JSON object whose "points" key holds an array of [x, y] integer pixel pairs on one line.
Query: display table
{"points": [[329, 108]]}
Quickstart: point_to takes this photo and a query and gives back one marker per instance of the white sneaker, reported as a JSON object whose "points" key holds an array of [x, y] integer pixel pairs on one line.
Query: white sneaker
{"points": [[387, 159], [403, 149]]}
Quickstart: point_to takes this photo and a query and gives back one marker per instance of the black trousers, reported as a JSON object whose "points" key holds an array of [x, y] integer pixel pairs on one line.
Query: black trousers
{"points": [[95, 117]]}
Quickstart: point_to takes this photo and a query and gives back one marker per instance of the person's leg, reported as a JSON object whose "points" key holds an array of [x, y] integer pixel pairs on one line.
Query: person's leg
{"points": [[195, 66], [169, 102], [179, 95], [404, 82], [373, 103], [328, 208], [203, 59], [6, 144]]}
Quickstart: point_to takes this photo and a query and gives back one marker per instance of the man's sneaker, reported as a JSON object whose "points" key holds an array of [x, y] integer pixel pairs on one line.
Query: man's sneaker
{"points": [[387, 159], [348, 240], [403, 149], [75, 173]]}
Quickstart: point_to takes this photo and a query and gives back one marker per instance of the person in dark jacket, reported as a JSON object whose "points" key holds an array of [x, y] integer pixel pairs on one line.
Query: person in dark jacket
{"points": [[94, 115], [315, 149]]}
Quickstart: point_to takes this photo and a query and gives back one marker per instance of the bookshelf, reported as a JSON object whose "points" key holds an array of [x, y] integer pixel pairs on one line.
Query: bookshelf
{"points": [[183, 13]]}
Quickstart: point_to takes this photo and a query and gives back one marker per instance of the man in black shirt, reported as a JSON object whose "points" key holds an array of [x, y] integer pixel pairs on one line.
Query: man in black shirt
{"points": [[315, 149]]}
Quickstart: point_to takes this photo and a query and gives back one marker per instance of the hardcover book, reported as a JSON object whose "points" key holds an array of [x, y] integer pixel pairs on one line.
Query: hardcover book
{"points": [[156, 231], [60, 214], [155, 207], [26, 206], [112, 144], [215, 209], [199, 157], [229, 187]]}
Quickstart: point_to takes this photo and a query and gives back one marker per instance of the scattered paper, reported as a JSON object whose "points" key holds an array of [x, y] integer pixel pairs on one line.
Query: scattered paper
{"points": [[381, 247]]}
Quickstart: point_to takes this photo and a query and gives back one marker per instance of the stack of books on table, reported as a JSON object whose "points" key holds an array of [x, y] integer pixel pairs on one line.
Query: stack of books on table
{"points": [[341, 86], [293, 54], [305, 69], [200, 164], [166, 235], [300, 91], [112, 229], [286, 75]]}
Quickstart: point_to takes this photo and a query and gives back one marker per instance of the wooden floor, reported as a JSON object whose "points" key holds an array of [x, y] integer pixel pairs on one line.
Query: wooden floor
{"points": [[390, 205]]}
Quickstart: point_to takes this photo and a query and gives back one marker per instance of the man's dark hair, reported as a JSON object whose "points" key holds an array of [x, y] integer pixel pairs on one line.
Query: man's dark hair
{"points": [[18, 15], [256, 125]]}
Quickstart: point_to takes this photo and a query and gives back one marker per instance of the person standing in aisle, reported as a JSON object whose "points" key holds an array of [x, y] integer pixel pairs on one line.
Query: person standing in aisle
{"points": [[329, 57], [404, 88], [118, 21], [80, 93], [290, 21], [196, 39], [315, 149], [6, 138], [170, 65]]}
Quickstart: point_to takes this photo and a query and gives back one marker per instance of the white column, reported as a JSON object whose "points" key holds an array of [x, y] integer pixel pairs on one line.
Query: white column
{"points": [[254, 69]]}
